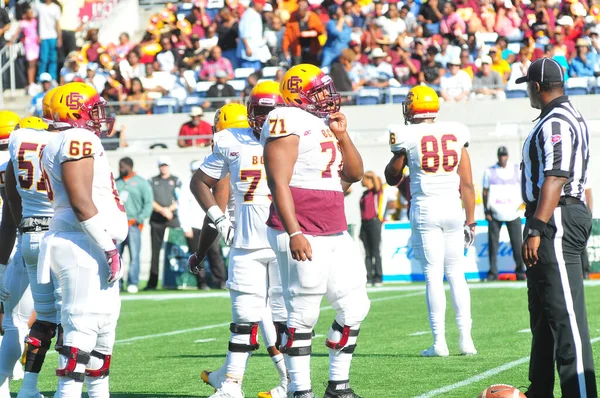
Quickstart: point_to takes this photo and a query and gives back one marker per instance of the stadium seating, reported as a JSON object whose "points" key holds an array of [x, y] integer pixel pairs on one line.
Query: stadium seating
{"points": [[202, 87], [238, 85], [368, 96], [189, 102], [269, 72], [242, 73], [396, 95], [577, 86], [165, 105], [516, 93]]}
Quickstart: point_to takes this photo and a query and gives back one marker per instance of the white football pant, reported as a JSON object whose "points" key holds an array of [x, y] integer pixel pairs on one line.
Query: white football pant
{"points": [[90, 306], [336, 272], [438, 244]]}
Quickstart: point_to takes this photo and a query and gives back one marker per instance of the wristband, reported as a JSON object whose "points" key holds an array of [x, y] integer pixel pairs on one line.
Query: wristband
{"points": [[295, 233], [215, 213], [536, 223], [94, 228]]}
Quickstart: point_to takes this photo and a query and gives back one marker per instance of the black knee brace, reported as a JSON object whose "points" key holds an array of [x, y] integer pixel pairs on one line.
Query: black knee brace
{"points": [[292, 336], [74, 356], [104, 369], [34, 361], [280, 329], [251, 329], [341, 345]]}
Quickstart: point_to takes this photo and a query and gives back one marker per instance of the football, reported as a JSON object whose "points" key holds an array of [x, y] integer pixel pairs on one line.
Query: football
{"points": [[501, 391]]}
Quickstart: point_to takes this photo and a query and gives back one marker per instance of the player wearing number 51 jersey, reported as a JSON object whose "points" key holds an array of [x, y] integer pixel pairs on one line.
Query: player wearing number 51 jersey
{"points": [[80, 246], [310, 160], [439, 164]]}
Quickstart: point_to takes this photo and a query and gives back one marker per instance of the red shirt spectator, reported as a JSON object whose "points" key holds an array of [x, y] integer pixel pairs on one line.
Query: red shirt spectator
{"points": [[195, 127], [407, 69]]}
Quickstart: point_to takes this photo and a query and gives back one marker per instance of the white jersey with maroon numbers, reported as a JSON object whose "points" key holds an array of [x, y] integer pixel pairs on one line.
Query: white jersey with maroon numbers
{"points": [[71, 145], [316, 184], [238, 152], [25, 146], [433, 152]]}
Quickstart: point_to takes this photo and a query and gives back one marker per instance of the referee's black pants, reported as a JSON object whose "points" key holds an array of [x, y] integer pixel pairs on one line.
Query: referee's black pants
{"points": [[557, 311]]}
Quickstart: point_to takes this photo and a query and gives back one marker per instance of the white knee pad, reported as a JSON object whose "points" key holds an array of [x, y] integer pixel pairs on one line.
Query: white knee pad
{"points": [[246, 308]]}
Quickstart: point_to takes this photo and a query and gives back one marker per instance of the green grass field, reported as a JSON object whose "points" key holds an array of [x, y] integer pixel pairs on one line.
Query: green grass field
{"points": [[164, 340]]}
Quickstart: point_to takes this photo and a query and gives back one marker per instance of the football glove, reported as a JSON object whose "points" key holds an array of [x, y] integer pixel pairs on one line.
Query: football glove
{"points": [[196, 264], [469, 235], [114, 265], [4, 293], [222, 224]]}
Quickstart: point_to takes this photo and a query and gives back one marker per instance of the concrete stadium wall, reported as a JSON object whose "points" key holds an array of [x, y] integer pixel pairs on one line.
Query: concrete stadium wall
{"points": [[492, 123]]}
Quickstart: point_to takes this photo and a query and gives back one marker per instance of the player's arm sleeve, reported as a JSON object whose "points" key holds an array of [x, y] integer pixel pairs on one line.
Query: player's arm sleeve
{"points": [[216, 165], [557, 148], [279, 124], [79, 144], [397, 140]]}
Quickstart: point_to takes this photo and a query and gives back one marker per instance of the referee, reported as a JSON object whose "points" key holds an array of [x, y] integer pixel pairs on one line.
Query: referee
{"points": [[554, 170]]}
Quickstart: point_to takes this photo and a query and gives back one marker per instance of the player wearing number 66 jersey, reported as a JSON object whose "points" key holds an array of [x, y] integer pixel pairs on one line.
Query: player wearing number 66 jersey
{"points": [[79, 247], [253, 279], [310, 160], [436, 154]]}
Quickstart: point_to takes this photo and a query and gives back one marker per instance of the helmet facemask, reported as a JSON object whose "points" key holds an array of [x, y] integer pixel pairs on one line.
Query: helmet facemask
{"points": [[97, 120], [408, 116], [322, 99]]}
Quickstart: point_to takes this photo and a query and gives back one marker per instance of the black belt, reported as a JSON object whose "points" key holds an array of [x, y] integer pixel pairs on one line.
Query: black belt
{"points": [[530, 208], [32, 224]]}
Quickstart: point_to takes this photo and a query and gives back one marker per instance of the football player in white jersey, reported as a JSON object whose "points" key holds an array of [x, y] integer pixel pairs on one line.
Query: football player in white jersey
{"points": [[26, 192], [253, 279], [440, 176], [14, 285], [227, 117], [310, 161], [80, 246]]}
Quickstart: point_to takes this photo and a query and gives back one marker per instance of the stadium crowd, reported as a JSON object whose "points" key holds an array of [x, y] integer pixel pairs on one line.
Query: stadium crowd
{"points": [[194, 52]]}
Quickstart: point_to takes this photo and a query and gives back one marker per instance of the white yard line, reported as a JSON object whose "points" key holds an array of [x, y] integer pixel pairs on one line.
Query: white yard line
{"points": [[388, 288], [524, 331], [419, 333], [481, 376], [205, 340]]}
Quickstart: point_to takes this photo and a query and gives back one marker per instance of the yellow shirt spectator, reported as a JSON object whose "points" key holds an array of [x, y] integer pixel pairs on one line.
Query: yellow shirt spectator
{"points": [[500, 65]]}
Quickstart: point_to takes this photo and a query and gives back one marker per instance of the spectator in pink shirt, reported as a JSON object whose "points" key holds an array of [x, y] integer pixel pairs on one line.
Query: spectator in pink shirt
{"points": [[452, 22], [216, 62], [508, 22]]}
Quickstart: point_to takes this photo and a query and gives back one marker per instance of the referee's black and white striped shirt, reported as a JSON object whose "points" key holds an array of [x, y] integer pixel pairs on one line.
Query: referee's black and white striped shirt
{"points": [[557, 146]]}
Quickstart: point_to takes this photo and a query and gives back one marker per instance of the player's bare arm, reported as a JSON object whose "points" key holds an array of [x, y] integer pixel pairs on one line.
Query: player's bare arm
{"points": [[12, 195], [466, 186], [395, 167], [201, 185], [208, 235], [549, 198], [353, 168], [78, 177], [280, 157]]}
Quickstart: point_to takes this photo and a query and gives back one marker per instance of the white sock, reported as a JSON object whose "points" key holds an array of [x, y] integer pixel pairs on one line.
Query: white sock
{"points": [[279, 363], [461, 299], [30, 381], [97, 387], [4, 386], [299, 366], [436, 303], [339, 362], [68, 387], [236, 361]]}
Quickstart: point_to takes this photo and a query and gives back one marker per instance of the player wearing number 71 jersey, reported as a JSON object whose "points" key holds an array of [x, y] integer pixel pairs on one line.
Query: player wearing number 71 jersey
{"points": [[79, 247], [439, 164]]}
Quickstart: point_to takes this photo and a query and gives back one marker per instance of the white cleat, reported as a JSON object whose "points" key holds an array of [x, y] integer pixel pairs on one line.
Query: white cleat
{"points": [[214, 379], [467, 347], [229, 390], [436, 351]]}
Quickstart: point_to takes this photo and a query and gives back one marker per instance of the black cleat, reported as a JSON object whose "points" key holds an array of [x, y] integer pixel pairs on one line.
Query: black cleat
{"points": [[338, 389], [301, 394]]}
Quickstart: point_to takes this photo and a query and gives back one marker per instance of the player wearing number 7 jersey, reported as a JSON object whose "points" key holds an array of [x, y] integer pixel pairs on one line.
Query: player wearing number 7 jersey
{"points": [[439, 164], [310, 160], [253, 279], [79, 247]]}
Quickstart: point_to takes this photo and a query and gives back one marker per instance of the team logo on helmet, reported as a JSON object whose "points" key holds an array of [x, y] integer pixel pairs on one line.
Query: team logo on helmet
{"points": [[73, 101], [294, 84]]}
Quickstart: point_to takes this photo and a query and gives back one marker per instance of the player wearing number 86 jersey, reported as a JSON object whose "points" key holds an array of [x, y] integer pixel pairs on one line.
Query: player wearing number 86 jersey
{"points": [[439, 166], [80, 246]]}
